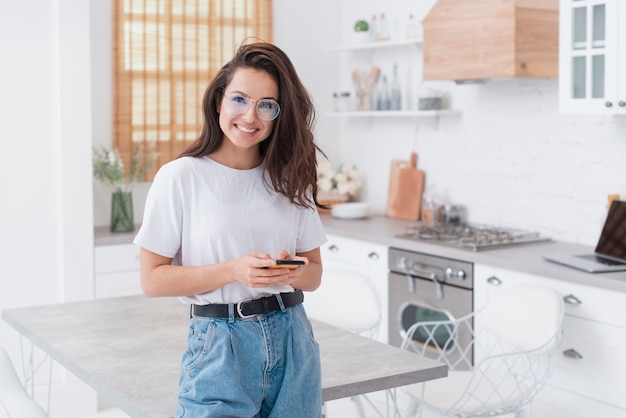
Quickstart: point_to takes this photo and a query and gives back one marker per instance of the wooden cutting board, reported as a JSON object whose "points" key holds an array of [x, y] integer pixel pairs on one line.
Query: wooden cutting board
{"points": [[406, 184]]}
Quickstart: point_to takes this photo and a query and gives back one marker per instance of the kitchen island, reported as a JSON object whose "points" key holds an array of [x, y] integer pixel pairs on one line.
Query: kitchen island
{"points": [[128, 349]]}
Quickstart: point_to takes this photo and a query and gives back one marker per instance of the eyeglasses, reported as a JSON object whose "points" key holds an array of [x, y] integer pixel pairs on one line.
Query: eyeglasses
{"points": [[238, 103]]}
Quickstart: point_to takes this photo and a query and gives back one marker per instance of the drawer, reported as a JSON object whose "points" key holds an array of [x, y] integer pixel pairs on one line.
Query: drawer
{"points": [[117, 285], [593, 303], [553, 402], [580, 300], [351, 251], [599, 374], [115, 258]]}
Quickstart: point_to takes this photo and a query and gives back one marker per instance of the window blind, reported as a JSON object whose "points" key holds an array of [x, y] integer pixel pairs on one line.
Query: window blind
{"points": [[165, 53]]}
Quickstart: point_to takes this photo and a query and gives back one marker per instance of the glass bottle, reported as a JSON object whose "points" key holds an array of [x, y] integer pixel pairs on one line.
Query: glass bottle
{"points": [[375, 94], [410, 31], [373, 29], [396, 92], [385, 97], [384, 33]]}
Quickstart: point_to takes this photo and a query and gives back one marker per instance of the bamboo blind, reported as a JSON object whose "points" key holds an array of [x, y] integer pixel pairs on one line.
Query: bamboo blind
{"points": [[165, 53]]}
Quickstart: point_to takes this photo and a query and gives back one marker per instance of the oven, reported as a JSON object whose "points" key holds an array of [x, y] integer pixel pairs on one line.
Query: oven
{"points": [[423, 287]]}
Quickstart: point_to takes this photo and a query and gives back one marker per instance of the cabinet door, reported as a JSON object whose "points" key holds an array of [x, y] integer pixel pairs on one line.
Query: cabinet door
{"points": [[597, 355], [116, 270], [593, 340], [554, 402], [621, 65], [589, 56], [365, 258], [580, 300]]}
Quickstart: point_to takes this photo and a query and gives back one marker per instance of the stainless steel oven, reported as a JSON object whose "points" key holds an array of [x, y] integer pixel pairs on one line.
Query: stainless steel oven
{"points": [[424, 287]]}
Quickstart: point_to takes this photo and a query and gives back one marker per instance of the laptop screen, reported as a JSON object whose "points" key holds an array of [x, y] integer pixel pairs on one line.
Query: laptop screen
{"points": [[613, 238]]}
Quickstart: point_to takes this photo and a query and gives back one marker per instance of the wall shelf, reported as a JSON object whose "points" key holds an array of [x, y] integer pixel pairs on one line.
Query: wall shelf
{"points": [[375, 45], [395, 113]]}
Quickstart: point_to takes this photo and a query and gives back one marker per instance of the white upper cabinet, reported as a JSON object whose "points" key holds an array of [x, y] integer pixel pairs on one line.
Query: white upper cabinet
{"points": [[592, 56]]}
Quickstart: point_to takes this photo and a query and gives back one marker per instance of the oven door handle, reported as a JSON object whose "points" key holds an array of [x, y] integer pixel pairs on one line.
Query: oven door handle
{"points": [[425, 274]]}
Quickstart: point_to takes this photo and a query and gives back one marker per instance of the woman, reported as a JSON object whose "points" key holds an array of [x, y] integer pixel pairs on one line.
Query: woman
{"points": [[218, 219]]}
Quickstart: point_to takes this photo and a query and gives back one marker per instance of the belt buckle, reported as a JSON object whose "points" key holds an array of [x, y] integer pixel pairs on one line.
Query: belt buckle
{"points": [[241, 314]]}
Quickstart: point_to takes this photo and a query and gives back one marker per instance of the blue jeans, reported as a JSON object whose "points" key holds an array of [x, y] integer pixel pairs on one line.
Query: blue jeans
{"points": [[264, 366]]}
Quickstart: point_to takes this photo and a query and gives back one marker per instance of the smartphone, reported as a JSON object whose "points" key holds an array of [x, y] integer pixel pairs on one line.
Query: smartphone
{"points": [[287, 264]]}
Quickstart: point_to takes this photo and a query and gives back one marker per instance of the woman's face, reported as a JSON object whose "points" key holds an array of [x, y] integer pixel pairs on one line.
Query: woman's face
{"points": [[247, 129]]}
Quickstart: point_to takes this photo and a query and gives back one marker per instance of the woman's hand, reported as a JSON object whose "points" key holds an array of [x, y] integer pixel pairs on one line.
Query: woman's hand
{"points": [[256, 269]]}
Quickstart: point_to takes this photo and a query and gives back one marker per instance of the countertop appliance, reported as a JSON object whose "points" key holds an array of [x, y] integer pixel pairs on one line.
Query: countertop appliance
{"points": [[424, 287], [472, 237]]}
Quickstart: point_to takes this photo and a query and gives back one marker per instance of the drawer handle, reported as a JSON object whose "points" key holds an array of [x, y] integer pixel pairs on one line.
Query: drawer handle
{"points": [[333, 248], [494, 281], [572, 300], [571, 353], [373, 255]]}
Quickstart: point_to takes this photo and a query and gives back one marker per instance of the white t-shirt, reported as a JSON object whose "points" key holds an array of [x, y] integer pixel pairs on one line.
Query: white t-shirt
{"points": [[200, 212]]}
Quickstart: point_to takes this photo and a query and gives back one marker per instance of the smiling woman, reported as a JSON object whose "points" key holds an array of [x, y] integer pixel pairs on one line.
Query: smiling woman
{"points": [[164, 56]]}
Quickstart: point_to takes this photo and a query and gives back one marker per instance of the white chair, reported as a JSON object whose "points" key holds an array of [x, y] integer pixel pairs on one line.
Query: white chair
{"points": [[515, 341], [15, 402], [348, 301]]}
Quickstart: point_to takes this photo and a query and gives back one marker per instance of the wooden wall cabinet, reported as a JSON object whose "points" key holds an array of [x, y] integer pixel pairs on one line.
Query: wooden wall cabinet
{"points": [[485, 39]]}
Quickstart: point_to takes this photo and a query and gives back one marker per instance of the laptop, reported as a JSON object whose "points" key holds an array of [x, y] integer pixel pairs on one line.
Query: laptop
{"points": [[610, 252]]}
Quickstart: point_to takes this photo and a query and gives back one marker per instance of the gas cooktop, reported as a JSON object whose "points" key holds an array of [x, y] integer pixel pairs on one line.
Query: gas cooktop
{"points": [[471, 237]]}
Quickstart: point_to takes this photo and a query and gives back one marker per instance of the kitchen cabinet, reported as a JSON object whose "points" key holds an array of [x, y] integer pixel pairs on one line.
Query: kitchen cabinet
{"points": [[592, 72], [384, 54], [592, 349], [116, 270], [485, 39], [365, 258]]}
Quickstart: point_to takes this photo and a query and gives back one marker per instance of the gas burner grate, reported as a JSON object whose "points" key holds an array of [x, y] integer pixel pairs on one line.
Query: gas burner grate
{"points": [[472, 237]]}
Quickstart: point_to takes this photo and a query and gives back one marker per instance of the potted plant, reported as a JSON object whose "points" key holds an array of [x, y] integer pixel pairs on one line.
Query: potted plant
{"points": [[108, 168], [361, 31]]}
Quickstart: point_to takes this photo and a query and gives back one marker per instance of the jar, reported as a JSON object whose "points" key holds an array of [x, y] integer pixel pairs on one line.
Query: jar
{"points": [[430, 99], [342, 101], [432, 212], [451, 215]]}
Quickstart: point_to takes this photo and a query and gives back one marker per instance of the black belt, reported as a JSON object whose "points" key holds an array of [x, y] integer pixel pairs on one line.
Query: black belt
{"points": [[248, 308]]}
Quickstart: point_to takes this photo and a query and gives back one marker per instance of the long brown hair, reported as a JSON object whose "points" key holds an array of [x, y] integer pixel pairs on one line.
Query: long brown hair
{"points": [[290, 150]]}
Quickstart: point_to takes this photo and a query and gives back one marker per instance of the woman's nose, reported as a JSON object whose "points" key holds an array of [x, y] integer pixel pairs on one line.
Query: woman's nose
{"points": [[250, 114]]}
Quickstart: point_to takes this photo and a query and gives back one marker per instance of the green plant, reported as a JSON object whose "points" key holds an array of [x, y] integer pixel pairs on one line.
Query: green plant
{"points": [[108, 166], [361, 26]]}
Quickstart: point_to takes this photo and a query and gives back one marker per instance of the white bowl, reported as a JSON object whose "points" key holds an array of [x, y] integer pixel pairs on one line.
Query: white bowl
{"points": [[351, 210]]}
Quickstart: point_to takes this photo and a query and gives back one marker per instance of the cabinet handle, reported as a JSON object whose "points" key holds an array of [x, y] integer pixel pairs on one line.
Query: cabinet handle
{"points": [[571, 353], [622, 103], [494, 281], [373, 255], [333, 248], [572, 300], [608, 104]]}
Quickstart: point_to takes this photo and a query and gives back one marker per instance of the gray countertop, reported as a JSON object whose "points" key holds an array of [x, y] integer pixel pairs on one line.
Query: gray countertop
{"points": [[524, 258], [129, 349], [383, 230]]}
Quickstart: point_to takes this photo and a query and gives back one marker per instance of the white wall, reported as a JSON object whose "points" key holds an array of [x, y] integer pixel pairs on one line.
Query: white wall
{"points": [[46, 222], [510, 158]]}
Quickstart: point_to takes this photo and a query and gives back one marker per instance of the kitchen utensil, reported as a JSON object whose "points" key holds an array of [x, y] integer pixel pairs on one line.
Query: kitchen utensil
{"points": [[364, 84], [406, 184], [351, 210]]}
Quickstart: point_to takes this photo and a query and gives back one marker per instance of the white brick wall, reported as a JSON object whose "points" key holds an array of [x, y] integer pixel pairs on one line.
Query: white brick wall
{"points": [[509, 158]]}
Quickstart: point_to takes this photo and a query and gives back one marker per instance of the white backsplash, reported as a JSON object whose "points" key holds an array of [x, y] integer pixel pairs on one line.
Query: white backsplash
{"points": [[510, 158]]}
